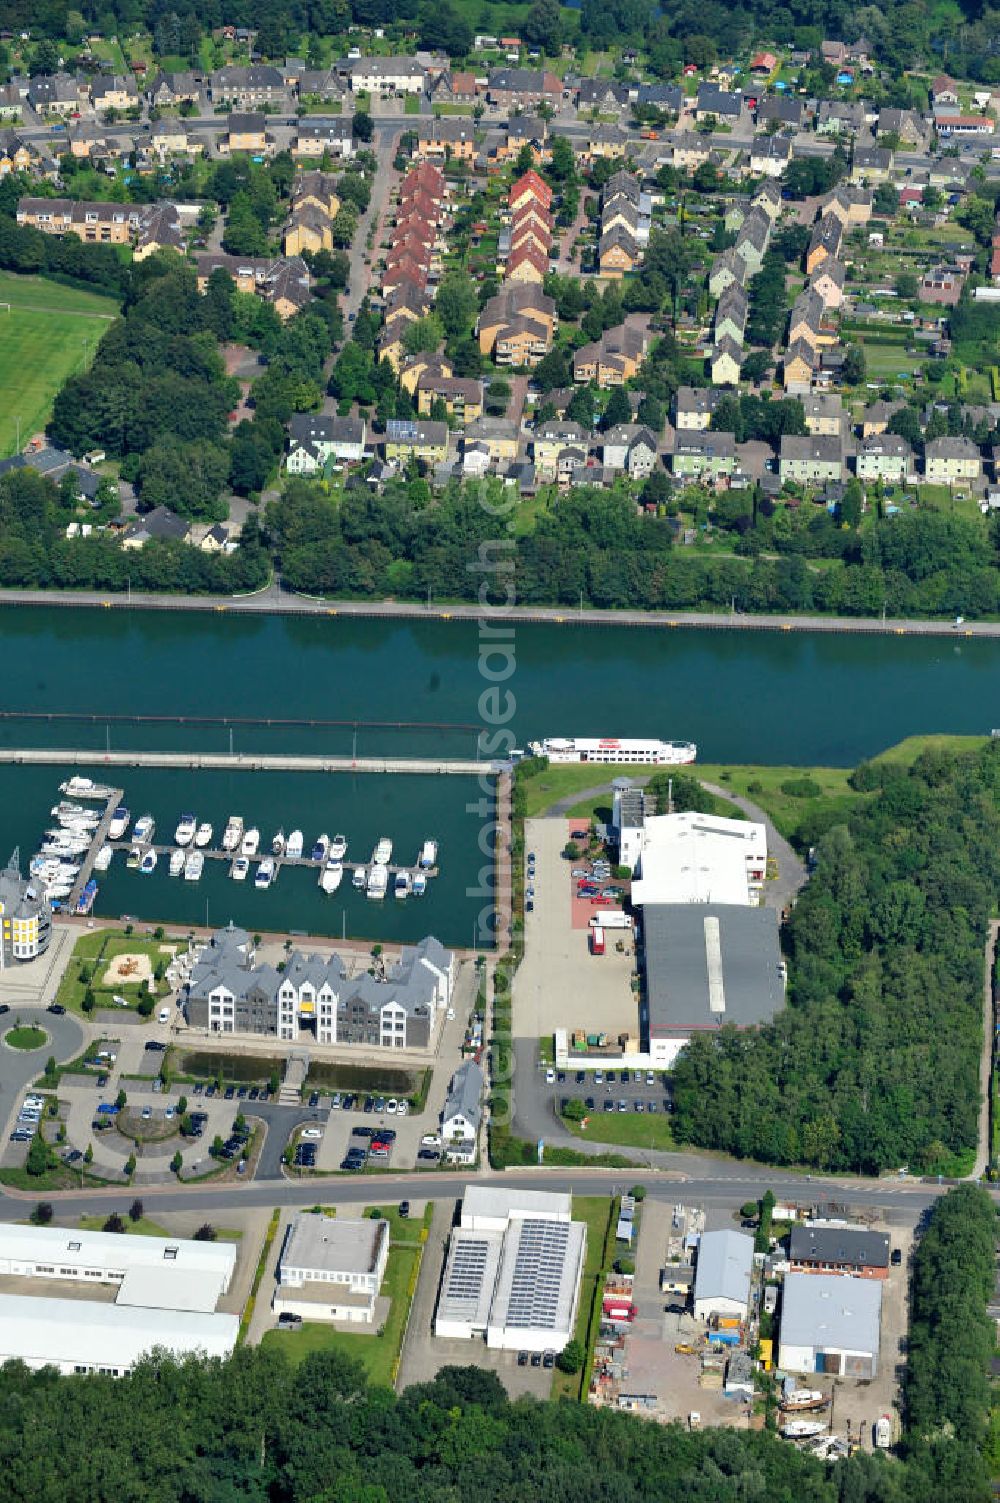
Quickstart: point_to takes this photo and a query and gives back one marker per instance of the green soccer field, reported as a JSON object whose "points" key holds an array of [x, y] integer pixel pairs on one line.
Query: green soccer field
{"points": [[49, 332]]}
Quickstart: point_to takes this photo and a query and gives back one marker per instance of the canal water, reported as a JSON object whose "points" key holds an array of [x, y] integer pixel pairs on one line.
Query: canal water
{"points": [[743, 696], [770, 697]]}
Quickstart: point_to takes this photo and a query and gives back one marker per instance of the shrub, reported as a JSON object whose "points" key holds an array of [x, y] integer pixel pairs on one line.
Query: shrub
{"points": [[801, 788]]}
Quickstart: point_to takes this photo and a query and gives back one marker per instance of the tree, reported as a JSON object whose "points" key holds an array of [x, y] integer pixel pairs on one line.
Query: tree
{"points": [[205, 1233], [130, 1164], [362, 128], [39, 1158], [618, 409], [176, 1163], [907, 287], [42, 1213], [457, 303], [855, 367], [121, 1100], [423, 335], [575, 1110], [88, 1154], [497, 396], [542, 26], [851, 503], [572, 1357], [136, 1210], [114, 1224]]}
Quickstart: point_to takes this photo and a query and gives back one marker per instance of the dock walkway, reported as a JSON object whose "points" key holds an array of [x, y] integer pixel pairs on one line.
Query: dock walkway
{"points": [[44, 756]]}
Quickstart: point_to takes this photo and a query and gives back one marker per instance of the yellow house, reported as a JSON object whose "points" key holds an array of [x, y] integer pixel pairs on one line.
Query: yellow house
{"points": [[433, 367], [318, 189], [500, 436], [309, 229], [247, 133], [14, 155], [462, 396], [407, 439]]}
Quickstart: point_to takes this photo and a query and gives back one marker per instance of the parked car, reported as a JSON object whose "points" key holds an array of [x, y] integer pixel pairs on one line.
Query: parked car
{"points": [[57, 1008], [430, 1154], [312, 1132]]}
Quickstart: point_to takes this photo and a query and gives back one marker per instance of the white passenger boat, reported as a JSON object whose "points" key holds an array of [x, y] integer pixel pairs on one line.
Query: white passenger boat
{"points": [[194, 866], [428, 854], [144, 827], [79, 787], [103, 858], [148, 863], [360, 878], [119, 823], [419, 884], [233, 833], [177, 859], [134, 856], [238, 870], [321, 848], [378, 881], [338, 848], [250, 844], [382, 854], [264, 875], [403, 885], [293, 847], [58, 889], [203, 835], [331, 876], [610, 749], [186, 826], [278, 844]]}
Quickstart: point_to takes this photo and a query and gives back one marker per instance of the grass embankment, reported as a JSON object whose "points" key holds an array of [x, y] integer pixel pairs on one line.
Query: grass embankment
{"points": [[50, 332], [144, 1227], [92, 954], [625, 1129], [377, 1348]]}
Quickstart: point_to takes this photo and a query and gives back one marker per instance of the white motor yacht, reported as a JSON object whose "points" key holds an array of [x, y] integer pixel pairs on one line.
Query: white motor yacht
{"points": [[419, 884], [186, 826], [264, 875], [203, 835], [331, 876], [378, 881], [238, 870], [144, 827], [429, 854], [338, 848], [233, 833], [119, 823], [360, 878], [294, 844], [103, 858], [403, 885], [177, 859], [194, 866], [250, 844], [134, 856], [321, 849], [148, 863], [382, 854], [278, 844]]}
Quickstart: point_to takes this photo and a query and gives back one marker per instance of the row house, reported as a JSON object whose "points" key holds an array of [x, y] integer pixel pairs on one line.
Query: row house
{"points": [[421, 440], [826, 241], [453, 86], [449, 139], [752, 240], [694, 407], [319, 138], [16, 153], [770, 156], [324, 86], [517, 326], [952, 461], [727, 270], [146, 227], [886, 457], [247, 132], [731, 314], [250, 88], [810, 458], [170, 90], [386, 75], [726, 362], [851, 204], [828, 281], [461, 395], [630, 448], [12, 101], [514, 88], [708, 457], [806, 321], [315, 205], [530, 235], [626, 214], [840, 117], [114, 92], [553, 443], [800, 365], [58, 94], [824, 414]]}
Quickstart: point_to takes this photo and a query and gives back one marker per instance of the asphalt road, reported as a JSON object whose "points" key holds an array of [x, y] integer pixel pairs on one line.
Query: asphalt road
{"points": [[18, 1067]]}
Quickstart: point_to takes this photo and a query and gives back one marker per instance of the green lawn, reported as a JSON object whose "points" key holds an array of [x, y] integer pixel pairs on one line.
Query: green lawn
{"points": [[908, 750], [626, 1129], [411, 105], [92, 954], [556, 783], [595, 1211], [144, 1227], [49, 332], [25, 1036]]}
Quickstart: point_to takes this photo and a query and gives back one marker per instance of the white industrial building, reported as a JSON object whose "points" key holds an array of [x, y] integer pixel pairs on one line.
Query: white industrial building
{"points": [[830, 1324], [167, 1292], [693, 858], [84, 1336], [722, 1275], [513, 1271], [331, 1268]]}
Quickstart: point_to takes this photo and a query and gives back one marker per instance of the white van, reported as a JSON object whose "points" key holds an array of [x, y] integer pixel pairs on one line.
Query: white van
{"points": [[163, 1016]]}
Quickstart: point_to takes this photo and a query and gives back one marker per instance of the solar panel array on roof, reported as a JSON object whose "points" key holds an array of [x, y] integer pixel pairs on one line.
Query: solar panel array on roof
{"points": [[466, 1271], [538, 1274]]}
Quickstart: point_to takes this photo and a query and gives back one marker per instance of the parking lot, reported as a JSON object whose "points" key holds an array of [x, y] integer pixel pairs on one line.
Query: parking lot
{"points": [[559, 984]]}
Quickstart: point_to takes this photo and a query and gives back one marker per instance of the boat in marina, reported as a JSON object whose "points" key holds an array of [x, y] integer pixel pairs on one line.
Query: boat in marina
{"points": [[250, 844], [85, 902], [177, 859], [609, 750], [58, 890], [194, 866], [331, 876], [134, 856], [144, 827], [804, 1398], [148, 863], [293, 846], [428, 854], [79, 787], [403, 885], [233, 833], [238, 870], [320, 849], [378, 881], [203, 835], [278, 844], [264, 875], [186, 826], [360, 879], [382, 854], [119, 823], [800, 1429], [103, 858], [338, 848], [419, 884]]}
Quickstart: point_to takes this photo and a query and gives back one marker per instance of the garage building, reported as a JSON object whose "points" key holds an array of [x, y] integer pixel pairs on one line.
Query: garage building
{"points": [[830, 1324], [722, 1275]]}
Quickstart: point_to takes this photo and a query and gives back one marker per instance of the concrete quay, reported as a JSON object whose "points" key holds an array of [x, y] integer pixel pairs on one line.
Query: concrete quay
{"points": [[44, 756]]}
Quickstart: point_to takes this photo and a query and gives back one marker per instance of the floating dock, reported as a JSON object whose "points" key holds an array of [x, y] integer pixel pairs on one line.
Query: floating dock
{"points": [[44, 756]]}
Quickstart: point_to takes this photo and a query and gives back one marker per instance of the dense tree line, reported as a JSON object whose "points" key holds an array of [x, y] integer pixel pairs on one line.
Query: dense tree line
{"points": [[874, 1062], [951, 1341]]}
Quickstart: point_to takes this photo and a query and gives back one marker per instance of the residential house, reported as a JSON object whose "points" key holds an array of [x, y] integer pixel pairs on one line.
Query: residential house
{"points": [[871, 164], [613, 359], [250, 88], [324, 85], [849, 203], [806, 321], [942, 285], [147, 227], [835, 1247], [706, 456], [114, 92], [11, 102], [693, 408], [601, 94], [318, 189], [527, 264], [944, 92], [308, 229], [463, 1112], [884, 456], [630, 447], [668, 98], [727, 269], [731, 314], [950, 461], [770, 156], [55, 94], [168, 90], [314, 439], [549, 441], [828, 280], [690, 151], [752, 240], [386, 75], [499, 436], [840, 117], [283, 281], [810, 458], [159, 525], [407, 438], [785, 110], [949, 126], [826, 241], [169, 137], [768, 199], [247, 132], [514, 88], [713, 103], [516, 326], [824, 414], [877, 415], [462, 396], [725, 362], [618, 252], [317, 138], [800, 365], [911, 130], [448, 139], [16, 154]]}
